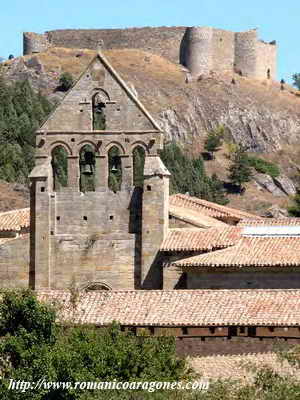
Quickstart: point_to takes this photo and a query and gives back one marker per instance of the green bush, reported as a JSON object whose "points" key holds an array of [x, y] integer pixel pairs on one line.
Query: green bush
{"points": [[263, 166], [188, 175], [34, 347], [21, 112], [66, 81]]}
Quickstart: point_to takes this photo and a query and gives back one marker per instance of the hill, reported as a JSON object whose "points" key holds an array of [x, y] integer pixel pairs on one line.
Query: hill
{"points": [[257, 114]]}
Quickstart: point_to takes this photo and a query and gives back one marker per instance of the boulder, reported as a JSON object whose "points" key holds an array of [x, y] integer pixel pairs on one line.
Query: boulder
{"points": [[266, 182], [285, 184]]}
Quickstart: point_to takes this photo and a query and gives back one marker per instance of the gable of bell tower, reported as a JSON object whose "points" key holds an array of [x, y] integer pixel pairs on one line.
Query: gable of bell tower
{"points": [[100, 100]]}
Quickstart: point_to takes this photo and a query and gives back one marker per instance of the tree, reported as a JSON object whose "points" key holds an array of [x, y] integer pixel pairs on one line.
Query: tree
{"points": [[240, 171], [21, 113], [188, 175], [296, 80], [34, 347], [294, 210], [213, 140], [66, 81]]}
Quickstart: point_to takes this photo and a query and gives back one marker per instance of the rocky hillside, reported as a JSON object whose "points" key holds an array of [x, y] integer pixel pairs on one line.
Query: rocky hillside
{"points": [[257, 114]]}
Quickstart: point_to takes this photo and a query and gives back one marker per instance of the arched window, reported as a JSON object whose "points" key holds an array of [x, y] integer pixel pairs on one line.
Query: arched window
{"points": [[138, 166], [59, 164], [99, 103], [114, 169], [87, 168]]}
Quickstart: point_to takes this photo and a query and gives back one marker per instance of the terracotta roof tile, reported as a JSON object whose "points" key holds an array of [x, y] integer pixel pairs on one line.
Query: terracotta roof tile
{"points": [[270, 222], [15, 220], [200, 240], [251, 251], [208, 208], [194, 217], [256, 307]]}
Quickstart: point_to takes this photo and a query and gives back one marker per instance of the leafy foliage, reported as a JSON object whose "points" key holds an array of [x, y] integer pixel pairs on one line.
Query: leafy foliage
{"points": [[240, 171], [188, 175], [138, 166], [263, 166], [21, 113], [33, 347], [294, 210], [213, 140], [115, 169], [296, 80], [66, 81]]}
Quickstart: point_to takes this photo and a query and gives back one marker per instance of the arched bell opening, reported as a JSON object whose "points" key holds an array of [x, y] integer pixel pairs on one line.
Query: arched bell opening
{"points": [[114, 169], [87, 167], [59, 162], [138, 166], [99, 105]]}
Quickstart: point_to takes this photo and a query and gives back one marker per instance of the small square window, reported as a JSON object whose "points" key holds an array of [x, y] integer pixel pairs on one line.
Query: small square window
{"points": [[58, 218], [85, 218], [72, 140], [42, 189], [184, 330], [111, 217], [149, 188]]}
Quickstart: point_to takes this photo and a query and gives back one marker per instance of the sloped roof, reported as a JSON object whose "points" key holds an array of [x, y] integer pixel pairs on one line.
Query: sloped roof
{"points": [[251, 251], [15, 220], [199, 240], [270, 222], [194, 217], [256, 307], [208, 208]]}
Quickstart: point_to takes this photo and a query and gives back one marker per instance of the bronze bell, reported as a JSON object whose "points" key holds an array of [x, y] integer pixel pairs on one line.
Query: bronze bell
{"points": [[87, 169]]}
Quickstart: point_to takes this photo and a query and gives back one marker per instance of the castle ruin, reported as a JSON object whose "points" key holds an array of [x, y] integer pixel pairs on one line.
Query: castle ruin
{"points": [[201, 49]]}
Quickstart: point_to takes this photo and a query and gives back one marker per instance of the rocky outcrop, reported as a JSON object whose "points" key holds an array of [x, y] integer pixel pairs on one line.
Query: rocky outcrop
{"points": [[267, 183], [286, 185]]}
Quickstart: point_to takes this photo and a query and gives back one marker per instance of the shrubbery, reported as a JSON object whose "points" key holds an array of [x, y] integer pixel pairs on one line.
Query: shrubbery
{"points": [[188, 175], [21, 113], [263, 166]]}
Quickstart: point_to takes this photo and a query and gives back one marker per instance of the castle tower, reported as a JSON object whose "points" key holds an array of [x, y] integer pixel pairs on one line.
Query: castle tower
{"points": [[85, 206], [197, 50]]}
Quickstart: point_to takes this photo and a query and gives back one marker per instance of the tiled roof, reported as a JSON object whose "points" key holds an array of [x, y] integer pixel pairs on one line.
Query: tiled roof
{"points": [[194, 217], [256, 307], [270, 222], [208, 208], [199, 240], [251, 251], [15, 220]]}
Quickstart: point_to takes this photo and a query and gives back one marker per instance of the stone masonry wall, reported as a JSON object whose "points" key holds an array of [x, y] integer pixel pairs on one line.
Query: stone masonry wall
{"points": [[223, 50], [266, 59], [243, 280], [201, 49], [163, 41], [90, 240], [196, 346], [14, 263]]}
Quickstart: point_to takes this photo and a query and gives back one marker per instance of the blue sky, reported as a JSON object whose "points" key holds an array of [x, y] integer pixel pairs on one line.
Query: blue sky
{"points": [[276, 20]]}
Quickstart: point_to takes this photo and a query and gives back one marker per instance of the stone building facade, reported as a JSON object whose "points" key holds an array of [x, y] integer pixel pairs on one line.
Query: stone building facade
{"points": [[97, 237], [200, 49]]}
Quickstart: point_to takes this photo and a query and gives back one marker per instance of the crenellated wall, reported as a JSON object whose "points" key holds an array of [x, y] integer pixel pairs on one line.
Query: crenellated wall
{"points": [[200, 49]]}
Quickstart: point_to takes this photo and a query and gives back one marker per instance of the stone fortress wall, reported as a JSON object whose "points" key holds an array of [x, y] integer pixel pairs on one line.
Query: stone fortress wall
{"points": [[200, 49]]}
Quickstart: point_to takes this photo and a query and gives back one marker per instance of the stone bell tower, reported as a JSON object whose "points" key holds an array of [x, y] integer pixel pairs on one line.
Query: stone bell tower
{"points": [[87, 224]]}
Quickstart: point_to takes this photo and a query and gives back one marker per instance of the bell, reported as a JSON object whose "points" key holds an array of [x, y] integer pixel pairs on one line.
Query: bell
{"points": [[87, 169], [114, 169]]}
